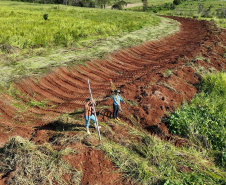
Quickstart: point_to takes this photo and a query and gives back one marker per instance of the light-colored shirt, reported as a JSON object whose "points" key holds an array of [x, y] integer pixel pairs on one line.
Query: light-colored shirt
{"points": [[117, 99]]}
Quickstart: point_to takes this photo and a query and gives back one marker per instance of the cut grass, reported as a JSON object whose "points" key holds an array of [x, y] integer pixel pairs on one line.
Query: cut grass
{"points": [[32, 164], [16, 62], [157, 162], [144, 159]]}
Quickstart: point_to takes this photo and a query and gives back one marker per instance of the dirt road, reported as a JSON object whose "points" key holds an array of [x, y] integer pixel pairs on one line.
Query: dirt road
{"points": [[128, 5]]}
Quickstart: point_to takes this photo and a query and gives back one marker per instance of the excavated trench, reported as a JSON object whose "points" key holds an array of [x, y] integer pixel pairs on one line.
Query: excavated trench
{"points": [[156, 77]]}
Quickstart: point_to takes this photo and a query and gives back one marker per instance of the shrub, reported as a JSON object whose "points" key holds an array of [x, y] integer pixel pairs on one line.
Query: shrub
{"points": [[176, 2], [221, 13], [45, 16], [203, 120]]}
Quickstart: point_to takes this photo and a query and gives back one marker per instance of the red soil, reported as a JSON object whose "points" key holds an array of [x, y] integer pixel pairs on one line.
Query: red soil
{"points": [[95, 167], [141, 74]]}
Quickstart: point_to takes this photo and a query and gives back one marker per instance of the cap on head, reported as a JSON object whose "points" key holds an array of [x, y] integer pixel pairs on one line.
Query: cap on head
{"points": [[87, 99]]}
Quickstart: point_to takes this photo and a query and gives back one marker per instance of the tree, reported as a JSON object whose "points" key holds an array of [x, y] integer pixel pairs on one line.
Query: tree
{"points": [[102, 3], [177, 2], [119, 5]]}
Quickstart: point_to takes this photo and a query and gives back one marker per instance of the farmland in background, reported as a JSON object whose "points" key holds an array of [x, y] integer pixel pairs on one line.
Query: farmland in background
{"points": [[23, 25], [29, 44], [210, 10]]}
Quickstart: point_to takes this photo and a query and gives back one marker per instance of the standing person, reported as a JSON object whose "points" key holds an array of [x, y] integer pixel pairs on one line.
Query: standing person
{"points": [[116, 104], [88, 113]]}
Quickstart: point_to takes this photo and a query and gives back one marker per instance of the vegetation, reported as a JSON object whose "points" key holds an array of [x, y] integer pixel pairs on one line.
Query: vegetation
{"points": [[81, 3], [23, 26], [151, 2], [201, 9], [143, 158], [119, 5], [203, 120], [33, 164], [42, 51], [153, 161]]}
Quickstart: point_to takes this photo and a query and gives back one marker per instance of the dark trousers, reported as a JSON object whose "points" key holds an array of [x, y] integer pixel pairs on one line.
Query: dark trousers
{"points": [[115, 111]]}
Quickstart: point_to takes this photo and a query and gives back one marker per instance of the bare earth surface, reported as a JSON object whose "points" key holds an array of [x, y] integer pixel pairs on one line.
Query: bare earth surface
{"points": [[141, 74], [128, 5]]}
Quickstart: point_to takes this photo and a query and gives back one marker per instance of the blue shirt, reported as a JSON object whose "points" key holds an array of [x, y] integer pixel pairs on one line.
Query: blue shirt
{"points": [[116, 101]]}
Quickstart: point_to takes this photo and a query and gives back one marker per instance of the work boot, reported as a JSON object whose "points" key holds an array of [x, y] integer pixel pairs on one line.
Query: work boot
{"points": [[118, 118], [88, 132]]}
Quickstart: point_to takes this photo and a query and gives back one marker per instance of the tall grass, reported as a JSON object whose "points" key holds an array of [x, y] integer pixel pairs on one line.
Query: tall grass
{"points": [[153, 161], [204, 119], [22, 24]]}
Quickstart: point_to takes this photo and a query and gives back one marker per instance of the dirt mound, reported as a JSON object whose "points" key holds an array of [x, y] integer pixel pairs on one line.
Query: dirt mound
{"points": [[155, 78]]}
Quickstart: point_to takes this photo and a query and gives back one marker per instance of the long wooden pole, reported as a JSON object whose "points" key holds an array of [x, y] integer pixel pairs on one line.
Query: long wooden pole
{"points": [[95, 115]]}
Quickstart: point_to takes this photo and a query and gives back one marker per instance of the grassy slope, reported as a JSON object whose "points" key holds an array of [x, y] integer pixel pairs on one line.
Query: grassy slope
{"points": [[203, 121], [190, 9], [143, 158], [37, 47], [139, 156]]}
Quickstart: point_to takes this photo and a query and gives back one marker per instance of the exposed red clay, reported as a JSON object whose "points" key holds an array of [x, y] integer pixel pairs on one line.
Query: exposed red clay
{"points": [[156, 76]]}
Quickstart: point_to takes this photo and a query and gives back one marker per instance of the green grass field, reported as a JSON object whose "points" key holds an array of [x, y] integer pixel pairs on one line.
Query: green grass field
{"points": [[22, 24], [71, 35], [210, 10], [200, 9]]}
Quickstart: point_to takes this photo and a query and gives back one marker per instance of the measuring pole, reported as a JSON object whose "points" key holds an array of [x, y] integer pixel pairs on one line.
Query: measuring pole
{"points": [[95, 115]]}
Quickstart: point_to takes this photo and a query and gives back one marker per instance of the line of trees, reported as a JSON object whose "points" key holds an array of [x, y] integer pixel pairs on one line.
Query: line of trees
{"points": [[81, 3]]}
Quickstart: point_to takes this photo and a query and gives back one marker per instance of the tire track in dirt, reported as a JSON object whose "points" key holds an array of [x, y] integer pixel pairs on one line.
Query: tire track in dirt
{"points": [[132, 70]]}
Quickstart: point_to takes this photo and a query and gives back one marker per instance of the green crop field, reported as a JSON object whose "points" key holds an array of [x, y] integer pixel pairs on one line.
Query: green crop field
{"points": [[22, 25], [29, 44]]}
